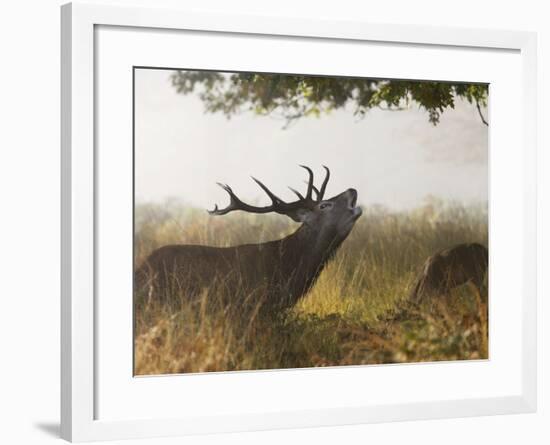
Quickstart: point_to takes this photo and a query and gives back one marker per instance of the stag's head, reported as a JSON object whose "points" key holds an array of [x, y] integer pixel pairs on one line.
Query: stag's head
{"points": [[331, 218]]}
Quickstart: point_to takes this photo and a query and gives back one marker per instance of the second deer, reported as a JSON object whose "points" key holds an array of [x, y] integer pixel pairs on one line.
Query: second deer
{"points": [[450, 268]]}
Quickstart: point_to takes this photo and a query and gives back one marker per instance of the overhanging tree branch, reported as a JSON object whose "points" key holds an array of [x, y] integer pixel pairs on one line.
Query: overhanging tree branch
{"points": [[295, 96], [481, 114]]}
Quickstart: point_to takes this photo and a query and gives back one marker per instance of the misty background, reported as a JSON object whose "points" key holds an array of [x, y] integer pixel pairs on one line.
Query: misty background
{"points": [[393, 158]]}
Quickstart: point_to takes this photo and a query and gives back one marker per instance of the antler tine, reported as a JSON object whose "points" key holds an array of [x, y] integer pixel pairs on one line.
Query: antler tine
{"points": [[236, 204], [297, 193], [274, 198], [315, 189], [321, 195], [231, 206], [310, 183]]}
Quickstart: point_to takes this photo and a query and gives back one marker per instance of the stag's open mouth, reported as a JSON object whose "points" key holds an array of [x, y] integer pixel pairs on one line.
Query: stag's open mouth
{"points": [[353, 197], [356, 212]]}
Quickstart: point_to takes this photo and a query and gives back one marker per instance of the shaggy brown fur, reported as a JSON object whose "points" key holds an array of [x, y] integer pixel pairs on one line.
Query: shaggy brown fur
{"points": [[451, 268]]}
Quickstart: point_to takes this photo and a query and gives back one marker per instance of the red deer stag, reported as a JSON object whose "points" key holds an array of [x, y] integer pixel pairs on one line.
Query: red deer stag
{"points": [[450, 268], [273, 274]]}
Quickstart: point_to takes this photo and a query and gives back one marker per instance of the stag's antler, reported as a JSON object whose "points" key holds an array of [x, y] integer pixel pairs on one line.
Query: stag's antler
{"points": [[321, 195], [291, 209]]}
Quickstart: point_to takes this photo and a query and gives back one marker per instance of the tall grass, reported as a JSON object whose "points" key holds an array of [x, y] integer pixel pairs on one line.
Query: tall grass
{"points": [[355, 314]]}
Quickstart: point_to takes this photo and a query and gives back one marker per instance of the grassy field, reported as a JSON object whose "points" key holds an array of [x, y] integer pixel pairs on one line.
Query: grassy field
{"points": [[357, 312]]}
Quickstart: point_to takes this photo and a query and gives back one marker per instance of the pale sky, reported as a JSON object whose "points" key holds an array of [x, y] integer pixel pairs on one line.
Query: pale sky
{"points": [[393, 158]]}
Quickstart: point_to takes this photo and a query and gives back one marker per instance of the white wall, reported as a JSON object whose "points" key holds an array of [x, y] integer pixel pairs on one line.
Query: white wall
{"points": [[29, 227]]}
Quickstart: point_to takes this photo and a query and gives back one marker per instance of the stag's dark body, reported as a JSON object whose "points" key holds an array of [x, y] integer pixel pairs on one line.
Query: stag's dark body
{"points": [[280, 272], [274, 274], [451, 268]]}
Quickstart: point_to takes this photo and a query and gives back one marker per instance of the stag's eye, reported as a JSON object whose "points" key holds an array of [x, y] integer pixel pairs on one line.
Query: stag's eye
{"points": [[325, 205]]}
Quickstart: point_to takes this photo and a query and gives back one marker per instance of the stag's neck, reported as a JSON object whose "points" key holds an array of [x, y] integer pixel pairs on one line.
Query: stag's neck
{"points": [[310, 244], [305, 253]]}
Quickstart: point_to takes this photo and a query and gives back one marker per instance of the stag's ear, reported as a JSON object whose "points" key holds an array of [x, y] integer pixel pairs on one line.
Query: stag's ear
{"points": [[300, 215]]}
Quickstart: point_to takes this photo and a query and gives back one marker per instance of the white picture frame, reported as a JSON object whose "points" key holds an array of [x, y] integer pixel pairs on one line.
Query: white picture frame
{"points": [[79, 373]]}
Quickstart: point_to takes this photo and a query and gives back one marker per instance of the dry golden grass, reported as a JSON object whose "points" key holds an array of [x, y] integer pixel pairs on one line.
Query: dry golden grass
{"points": [[356, 313]]}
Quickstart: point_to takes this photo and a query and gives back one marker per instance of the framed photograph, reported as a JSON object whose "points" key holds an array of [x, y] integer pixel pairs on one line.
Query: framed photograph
{"points": [[272, 223]]}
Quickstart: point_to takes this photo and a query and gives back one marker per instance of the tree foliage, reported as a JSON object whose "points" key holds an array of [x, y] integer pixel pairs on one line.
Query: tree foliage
{"points": [[291, 97]]}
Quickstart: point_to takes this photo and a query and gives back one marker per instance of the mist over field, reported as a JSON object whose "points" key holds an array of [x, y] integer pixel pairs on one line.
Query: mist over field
{"points": [[392, 158]]}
